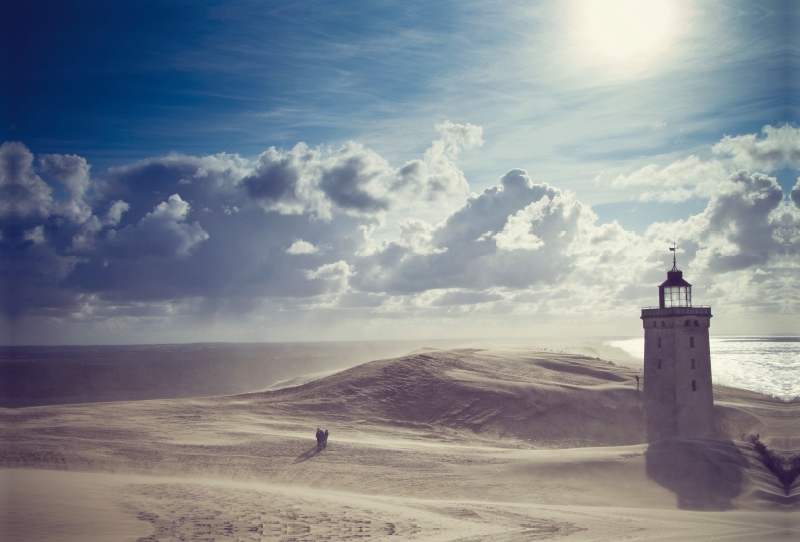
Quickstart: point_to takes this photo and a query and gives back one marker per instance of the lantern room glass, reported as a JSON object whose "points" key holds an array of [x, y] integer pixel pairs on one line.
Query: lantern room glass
{"points": [[678, 296]]}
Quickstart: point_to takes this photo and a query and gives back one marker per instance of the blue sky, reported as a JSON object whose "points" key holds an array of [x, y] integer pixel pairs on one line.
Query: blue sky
{"points": [[406, 110]]}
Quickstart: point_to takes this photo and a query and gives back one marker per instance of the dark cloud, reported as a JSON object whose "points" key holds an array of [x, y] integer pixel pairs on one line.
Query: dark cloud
{"points": [[275, 177], [355, 180], [161, 233], [208, 182], [73, 172], [320, 181], [347, 183], [737, 229]]}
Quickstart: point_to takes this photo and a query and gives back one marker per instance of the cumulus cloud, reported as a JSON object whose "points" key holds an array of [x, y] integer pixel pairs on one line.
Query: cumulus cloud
{"points": [[160, 233], [115, 211], [738, 228], [73, 172], [22, 192], [675, 182], [355, 180], [437, 176], [776, 148], [317, 181], [334, 275], [516, 234], [337, 228], [278, 181], [465, 251], [417, 236], [694, 177], [302, 247]]}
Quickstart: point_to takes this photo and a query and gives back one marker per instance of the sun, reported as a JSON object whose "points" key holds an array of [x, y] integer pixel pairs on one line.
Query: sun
{"points": [[624, 34]]}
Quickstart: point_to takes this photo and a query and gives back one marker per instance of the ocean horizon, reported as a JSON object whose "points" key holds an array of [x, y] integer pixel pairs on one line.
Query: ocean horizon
{"points": [[764, 364]]}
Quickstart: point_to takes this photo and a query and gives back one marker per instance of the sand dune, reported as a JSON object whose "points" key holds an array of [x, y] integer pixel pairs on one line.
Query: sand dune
{"points": [[561, 399], [53, 375], [513, 444]]}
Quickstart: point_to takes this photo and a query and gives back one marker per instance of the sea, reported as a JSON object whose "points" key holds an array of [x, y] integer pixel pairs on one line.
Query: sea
{"points": [[769, 365]]}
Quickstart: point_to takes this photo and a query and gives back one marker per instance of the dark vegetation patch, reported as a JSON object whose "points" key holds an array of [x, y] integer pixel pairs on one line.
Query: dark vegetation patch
{"points": [[786, 470]]}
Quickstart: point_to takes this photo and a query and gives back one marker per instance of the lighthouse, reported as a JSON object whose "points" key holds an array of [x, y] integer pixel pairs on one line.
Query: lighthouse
{"points": [[678, 397]]}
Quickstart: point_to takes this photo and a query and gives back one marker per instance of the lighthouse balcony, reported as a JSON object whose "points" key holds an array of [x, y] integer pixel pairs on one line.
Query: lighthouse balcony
{"points": [[656, 312]]}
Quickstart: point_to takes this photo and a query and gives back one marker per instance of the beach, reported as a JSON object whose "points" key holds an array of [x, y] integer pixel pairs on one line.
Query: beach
{"points": [[440, 444]]}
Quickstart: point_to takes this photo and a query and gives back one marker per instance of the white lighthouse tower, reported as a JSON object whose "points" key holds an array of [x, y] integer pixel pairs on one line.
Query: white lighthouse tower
{"points": [[678, 397]]}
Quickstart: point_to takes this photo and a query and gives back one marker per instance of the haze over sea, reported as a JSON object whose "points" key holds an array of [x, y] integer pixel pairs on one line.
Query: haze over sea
{"points": [[768, 365]]}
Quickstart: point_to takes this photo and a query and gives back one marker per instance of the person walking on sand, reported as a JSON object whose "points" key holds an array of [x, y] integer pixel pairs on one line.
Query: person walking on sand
{"points": [[325, 439], [320, 435], [637, 382]]}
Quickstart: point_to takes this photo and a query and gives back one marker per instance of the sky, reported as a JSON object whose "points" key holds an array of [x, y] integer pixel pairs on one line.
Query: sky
{"points": [[314, 170]]}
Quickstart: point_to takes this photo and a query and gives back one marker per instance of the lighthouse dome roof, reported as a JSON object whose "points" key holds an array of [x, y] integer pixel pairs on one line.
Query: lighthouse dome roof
{"points": [[674, 278]]}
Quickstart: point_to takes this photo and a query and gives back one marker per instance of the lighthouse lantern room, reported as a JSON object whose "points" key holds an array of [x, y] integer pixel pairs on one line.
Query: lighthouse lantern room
{"points": [[675, 291]]}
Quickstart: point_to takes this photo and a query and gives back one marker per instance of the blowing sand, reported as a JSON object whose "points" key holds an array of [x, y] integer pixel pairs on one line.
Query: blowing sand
{"points": [[514, 444]]}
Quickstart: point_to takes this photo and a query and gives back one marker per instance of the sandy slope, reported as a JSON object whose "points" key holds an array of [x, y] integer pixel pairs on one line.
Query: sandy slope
{"points": [[515, 444]]}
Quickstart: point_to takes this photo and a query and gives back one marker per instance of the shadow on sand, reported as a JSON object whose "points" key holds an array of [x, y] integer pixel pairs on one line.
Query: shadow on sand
{"points": [[308, 454], [705, 474]]}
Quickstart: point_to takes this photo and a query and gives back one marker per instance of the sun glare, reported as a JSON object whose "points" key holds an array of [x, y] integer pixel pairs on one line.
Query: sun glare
{"points": [[624, 34]]}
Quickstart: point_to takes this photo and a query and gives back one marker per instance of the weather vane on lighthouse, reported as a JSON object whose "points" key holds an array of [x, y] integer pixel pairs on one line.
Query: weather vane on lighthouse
{"points": [[674, 250]]}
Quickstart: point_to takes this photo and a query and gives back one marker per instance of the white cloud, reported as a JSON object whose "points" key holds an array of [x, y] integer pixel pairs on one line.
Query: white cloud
{"points": [[36, 235], [417, 236], [694, 177], [302, 247], [115, 211], [777, 148], [675, 182], [521, 214], [436, 176], [516, 234], [335, 275]]}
